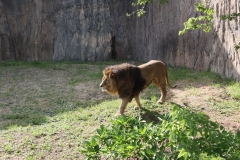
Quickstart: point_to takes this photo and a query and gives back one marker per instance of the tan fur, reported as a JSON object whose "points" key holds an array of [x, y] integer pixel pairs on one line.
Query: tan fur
{"points": [[127, 81]]}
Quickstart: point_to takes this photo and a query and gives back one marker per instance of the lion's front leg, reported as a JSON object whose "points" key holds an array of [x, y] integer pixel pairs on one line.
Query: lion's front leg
{"points": [[122, 106], [138, 102]]}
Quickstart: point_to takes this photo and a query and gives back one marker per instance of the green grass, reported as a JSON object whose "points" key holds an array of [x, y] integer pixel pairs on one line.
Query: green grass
{"points": [[48, 108], [233, 90], [63, 131], [176, 74]]}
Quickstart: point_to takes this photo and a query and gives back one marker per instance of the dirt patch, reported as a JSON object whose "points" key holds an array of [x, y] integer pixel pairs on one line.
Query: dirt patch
{"points": [[204, 97]]}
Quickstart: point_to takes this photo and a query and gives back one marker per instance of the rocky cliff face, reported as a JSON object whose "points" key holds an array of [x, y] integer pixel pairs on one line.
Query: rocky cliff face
{"points": [[157, 38], [55, 30], [94, 30]]}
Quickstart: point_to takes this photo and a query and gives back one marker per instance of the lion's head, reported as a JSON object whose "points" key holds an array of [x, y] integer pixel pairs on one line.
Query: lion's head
{"points": [[108, 82], [123, 80]]}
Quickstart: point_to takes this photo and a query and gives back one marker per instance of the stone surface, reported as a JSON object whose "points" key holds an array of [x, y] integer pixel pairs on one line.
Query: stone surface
{"points": [[95, 30], [157, 38], [34, 30]]}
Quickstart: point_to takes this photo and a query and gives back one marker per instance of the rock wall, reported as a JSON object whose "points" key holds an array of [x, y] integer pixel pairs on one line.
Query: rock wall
{"points": [[34, 30], [95, 30], [157, 38]]}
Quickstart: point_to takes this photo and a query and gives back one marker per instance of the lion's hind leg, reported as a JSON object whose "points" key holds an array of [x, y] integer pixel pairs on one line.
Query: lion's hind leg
{"points": [[163, 94], [163, 91]]}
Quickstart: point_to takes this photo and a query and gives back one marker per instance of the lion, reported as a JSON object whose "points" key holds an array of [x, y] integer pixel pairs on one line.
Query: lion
{"points": [[127, 81]]}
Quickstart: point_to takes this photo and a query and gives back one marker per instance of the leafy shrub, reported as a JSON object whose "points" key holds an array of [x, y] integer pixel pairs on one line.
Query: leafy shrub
{"points": [[181, 134]]}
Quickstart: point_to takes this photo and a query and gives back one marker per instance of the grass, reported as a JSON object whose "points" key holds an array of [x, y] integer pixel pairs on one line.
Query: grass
{"points": [[63, 132], [48, 108], [190, 75], [234, 91]]}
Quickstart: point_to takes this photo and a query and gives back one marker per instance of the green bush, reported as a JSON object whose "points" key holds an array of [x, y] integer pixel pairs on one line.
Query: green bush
{"points": [[181, 134]]}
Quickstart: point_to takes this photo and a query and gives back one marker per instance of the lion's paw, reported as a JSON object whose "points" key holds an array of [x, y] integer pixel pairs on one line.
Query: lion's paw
{"points": [[160, 101], [118, 114], [136, 107]]}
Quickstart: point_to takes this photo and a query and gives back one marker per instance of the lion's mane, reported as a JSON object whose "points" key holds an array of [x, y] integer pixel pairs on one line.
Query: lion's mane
{"points": [[128, 79]]}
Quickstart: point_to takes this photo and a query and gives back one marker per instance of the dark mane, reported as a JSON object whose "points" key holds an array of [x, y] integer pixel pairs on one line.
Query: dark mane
{"points": [[129, 80]]}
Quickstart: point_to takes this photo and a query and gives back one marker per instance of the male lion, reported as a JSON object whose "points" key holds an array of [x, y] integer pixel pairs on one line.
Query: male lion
{"points": [[127, 81]]}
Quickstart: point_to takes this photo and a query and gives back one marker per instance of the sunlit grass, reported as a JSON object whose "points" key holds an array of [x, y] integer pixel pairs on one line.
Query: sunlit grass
{"points": [[234, 90], [176, 74]]}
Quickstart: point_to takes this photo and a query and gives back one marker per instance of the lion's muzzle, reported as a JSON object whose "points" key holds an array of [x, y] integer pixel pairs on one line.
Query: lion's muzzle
{"points": [[101, 84]]}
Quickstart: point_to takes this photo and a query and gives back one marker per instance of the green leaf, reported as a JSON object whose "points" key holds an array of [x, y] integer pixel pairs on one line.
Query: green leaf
{"points": [[130, 147], [183, 153]]}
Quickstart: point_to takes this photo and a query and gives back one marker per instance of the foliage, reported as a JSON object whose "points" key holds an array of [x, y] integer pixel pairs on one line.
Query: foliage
{"points": [[182, 134], [203, 21], [140, 4], [231, 17]]}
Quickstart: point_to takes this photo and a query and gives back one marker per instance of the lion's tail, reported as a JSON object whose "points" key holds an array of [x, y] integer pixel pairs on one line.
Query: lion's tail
{"points": [[166, 76]]}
